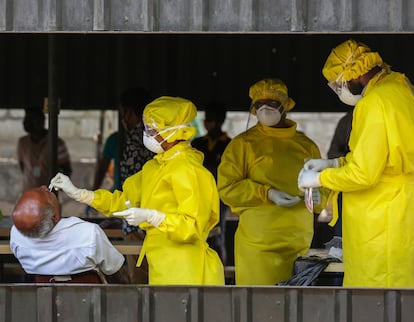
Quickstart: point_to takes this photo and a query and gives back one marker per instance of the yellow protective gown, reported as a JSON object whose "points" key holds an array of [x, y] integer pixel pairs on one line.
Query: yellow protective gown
{"points": [[175, 183], [269, 238], [377, 181]]}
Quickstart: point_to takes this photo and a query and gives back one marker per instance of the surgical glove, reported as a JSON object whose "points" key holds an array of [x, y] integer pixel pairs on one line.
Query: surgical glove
{"points": [[61, 181], [136, 216], [321, 164], [308, 179], [282, 199]]}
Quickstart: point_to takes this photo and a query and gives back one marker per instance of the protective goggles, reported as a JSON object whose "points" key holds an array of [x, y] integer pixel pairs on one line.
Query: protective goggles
{"points": [[337, 87], [151, 131], [275, 104]]}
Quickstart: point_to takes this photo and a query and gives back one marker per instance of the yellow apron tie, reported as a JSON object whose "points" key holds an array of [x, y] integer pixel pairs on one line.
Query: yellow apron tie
{"points": [[334, 197], [141, 253]]}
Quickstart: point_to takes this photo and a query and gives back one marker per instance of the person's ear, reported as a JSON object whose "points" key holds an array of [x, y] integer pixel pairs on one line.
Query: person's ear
{"points": [[356, 86], [55, 218]]}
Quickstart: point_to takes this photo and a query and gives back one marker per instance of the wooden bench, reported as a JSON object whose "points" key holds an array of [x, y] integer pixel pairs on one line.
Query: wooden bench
{"points": [[4, 232], [113, 233]]}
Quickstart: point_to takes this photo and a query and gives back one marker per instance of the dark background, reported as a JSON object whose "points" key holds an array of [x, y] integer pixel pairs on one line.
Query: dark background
{"points": [[92, 69]]}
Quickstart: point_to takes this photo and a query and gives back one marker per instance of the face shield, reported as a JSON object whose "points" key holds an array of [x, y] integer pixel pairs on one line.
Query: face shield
{"points": [[270, 103], [172, 130], [150, 134], [344, 94]]}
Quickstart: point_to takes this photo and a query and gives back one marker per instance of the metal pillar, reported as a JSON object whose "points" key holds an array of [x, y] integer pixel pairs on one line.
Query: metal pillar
{"points": [[52, 105]]}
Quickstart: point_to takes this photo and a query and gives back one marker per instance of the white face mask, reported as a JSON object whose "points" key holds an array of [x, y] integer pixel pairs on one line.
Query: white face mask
{"points": [[347, 97], [152, 144], [268, 116]]}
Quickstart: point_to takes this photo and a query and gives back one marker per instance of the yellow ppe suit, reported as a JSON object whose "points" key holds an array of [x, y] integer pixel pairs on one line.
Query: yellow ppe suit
{"points": [[269, 238], [175, 183], [377, 181]]}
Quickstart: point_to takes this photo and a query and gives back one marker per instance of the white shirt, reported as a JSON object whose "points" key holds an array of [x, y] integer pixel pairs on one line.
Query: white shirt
{"points": [[73, 246]]}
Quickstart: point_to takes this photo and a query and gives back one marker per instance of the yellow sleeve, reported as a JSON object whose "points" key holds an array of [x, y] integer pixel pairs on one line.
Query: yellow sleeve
{"points": [[364, 165], [108, 202], [236, 189]]}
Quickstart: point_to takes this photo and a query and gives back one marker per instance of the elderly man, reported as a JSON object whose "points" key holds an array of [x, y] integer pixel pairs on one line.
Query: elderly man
{"points": [[377, 176], [56, 249]]}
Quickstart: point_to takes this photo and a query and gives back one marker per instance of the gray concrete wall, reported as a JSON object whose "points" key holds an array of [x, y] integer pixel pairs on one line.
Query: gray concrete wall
{"points": [[80, 128]]}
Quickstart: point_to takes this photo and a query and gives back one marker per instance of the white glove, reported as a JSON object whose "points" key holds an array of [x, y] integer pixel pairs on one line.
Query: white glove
{"points": [[308, 179], [61, 181], [321, 164], [282, 199], [136, 216]]}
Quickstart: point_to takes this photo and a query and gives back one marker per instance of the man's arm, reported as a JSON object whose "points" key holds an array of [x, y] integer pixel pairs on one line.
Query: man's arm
{"points": [[339, 144], [117, 278]]}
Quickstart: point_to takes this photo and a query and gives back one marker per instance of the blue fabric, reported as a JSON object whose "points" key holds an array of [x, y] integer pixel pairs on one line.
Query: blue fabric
{"points": [[110, 152]]}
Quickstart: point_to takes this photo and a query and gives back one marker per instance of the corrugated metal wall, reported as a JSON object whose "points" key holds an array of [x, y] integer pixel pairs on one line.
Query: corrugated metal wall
{"points": [[207, 15], [31, 303]]}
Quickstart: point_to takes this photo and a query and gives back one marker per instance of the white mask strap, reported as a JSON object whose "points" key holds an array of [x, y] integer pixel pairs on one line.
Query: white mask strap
{"points": [[176, 127]]}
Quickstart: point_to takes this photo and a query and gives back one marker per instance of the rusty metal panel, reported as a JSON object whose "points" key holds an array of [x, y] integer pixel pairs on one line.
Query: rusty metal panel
{"points": [[319, 305], [405, 306], [283, 15], [269, 304], [26, 302], [131, 15], [79, 15], [22, 303], [207, 15], [367, 305]]}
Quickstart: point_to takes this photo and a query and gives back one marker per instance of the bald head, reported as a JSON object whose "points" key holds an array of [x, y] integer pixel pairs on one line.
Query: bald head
{"points": [[36, 212]]}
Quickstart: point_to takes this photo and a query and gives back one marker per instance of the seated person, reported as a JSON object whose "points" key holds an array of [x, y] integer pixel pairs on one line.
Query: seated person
{"points": [[56, 249]]}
